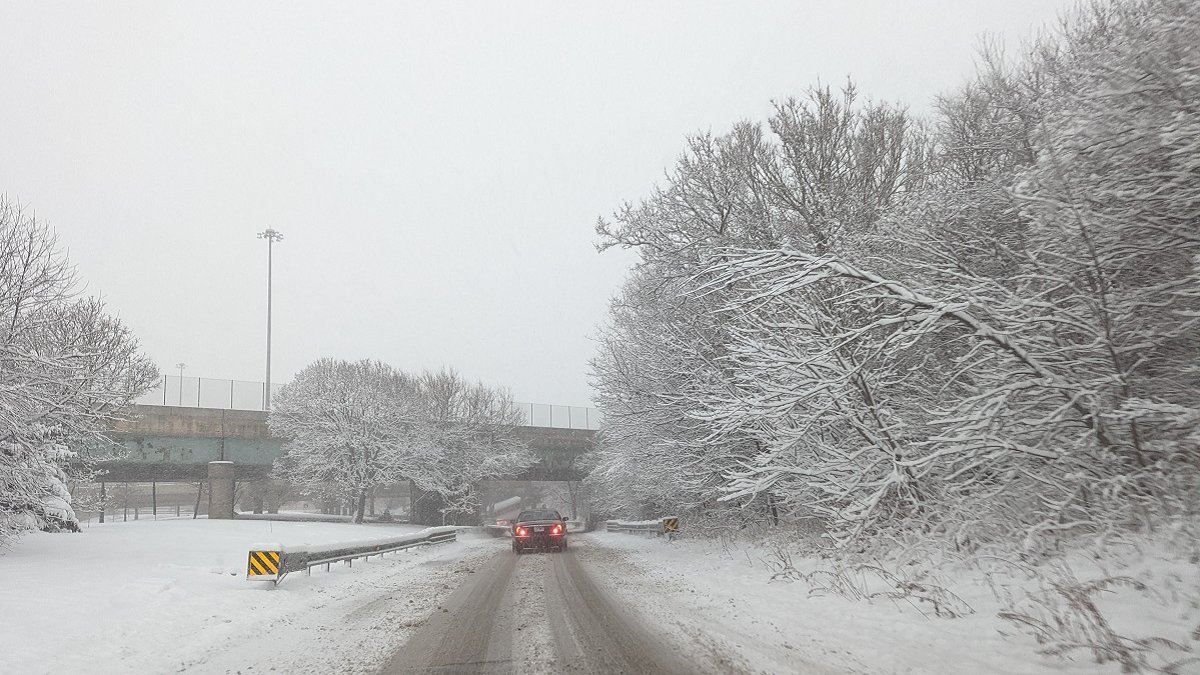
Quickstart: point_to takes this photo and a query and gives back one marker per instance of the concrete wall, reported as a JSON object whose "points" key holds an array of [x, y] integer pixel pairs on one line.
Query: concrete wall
{"points": [[174, 443], [177, 443], [165, 420]]}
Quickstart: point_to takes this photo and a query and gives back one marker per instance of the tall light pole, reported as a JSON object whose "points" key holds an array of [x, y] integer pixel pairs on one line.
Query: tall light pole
{"points": [[271, 236], [181, 366]]}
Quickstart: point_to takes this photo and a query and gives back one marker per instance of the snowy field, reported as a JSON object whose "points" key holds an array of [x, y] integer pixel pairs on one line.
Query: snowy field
{"points": [[722, 599], [171, 596]]}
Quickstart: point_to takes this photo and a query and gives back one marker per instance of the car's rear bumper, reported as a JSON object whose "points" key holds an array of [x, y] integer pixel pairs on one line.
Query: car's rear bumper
{"points": [[540, 541]]}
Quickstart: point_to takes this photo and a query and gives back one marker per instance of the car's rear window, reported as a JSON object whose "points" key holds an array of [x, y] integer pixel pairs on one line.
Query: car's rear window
{"points": [[539, 515]]}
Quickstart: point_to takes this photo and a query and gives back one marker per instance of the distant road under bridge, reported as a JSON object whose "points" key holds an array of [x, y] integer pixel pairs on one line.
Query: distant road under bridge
{"points": [[172, 443]]}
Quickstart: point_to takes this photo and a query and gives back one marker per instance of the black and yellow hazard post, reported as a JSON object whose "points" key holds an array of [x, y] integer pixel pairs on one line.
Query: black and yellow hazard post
{"points": [[670, 527], [264, 566]]}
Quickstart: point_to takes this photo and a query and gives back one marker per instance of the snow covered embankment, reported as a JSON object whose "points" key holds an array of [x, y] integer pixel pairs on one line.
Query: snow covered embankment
{"points": [[722, 600], [171, 596]]}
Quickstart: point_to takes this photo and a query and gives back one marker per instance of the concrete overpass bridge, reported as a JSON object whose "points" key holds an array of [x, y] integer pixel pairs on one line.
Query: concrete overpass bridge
{"points": [[175, 443]]}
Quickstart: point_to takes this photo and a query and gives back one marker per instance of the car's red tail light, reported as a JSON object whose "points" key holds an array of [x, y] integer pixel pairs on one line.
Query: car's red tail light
{"points": [[557, 529], [521, 532]]}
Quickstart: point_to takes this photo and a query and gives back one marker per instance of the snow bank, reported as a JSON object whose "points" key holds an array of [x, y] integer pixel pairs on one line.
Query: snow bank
{"points": [[171, 595], [718, 599]]}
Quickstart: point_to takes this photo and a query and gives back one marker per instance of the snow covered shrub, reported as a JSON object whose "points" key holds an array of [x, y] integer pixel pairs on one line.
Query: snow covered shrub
{"points": [[869, 581], [1063, 617]]}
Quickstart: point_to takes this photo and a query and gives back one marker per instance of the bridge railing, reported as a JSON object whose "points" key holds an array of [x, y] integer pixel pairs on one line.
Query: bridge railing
{"points": [[205, 392]]}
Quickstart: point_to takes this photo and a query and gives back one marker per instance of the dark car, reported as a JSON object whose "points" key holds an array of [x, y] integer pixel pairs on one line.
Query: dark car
{"points": [[540, 529]]}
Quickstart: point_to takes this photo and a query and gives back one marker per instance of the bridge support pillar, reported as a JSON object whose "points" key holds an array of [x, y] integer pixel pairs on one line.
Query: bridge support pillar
{"points": [[220, 490], [276, 489]]}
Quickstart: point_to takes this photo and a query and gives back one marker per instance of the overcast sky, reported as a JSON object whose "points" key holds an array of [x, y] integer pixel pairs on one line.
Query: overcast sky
{"points": [[436, 168]]}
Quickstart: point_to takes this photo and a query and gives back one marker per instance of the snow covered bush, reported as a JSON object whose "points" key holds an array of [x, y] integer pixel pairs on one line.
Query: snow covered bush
{"points": [[68, 371]]}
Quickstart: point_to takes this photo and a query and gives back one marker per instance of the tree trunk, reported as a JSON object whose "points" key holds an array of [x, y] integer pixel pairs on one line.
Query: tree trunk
{"points": [[362, 505], [199, 491]]}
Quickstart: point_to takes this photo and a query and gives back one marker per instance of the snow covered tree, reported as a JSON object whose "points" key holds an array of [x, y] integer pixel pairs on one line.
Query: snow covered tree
{"points": [[665, 371], [350, 427], [468, 434], [983, 326], [69, 371], [355, 426]]}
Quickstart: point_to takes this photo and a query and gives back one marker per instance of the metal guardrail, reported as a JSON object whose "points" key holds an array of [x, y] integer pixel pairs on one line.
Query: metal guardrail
{"points": [[498, 530], [668, 525], [273, 562]]}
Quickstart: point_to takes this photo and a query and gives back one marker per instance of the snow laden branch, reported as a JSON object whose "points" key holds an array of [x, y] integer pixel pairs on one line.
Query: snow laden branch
{"points": [[777, 273], [835, 371]]}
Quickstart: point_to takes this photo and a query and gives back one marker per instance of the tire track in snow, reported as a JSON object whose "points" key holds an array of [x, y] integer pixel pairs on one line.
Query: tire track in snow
{"points": [[534, 613]]}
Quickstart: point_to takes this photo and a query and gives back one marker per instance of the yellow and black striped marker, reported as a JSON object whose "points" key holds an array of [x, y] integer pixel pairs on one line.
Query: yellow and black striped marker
{"points": [[670, 524], [263, 565]]}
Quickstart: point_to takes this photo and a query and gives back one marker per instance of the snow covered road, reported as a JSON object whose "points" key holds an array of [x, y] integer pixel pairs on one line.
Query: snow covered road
{"points": [[171, 597], [536, 613]]}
